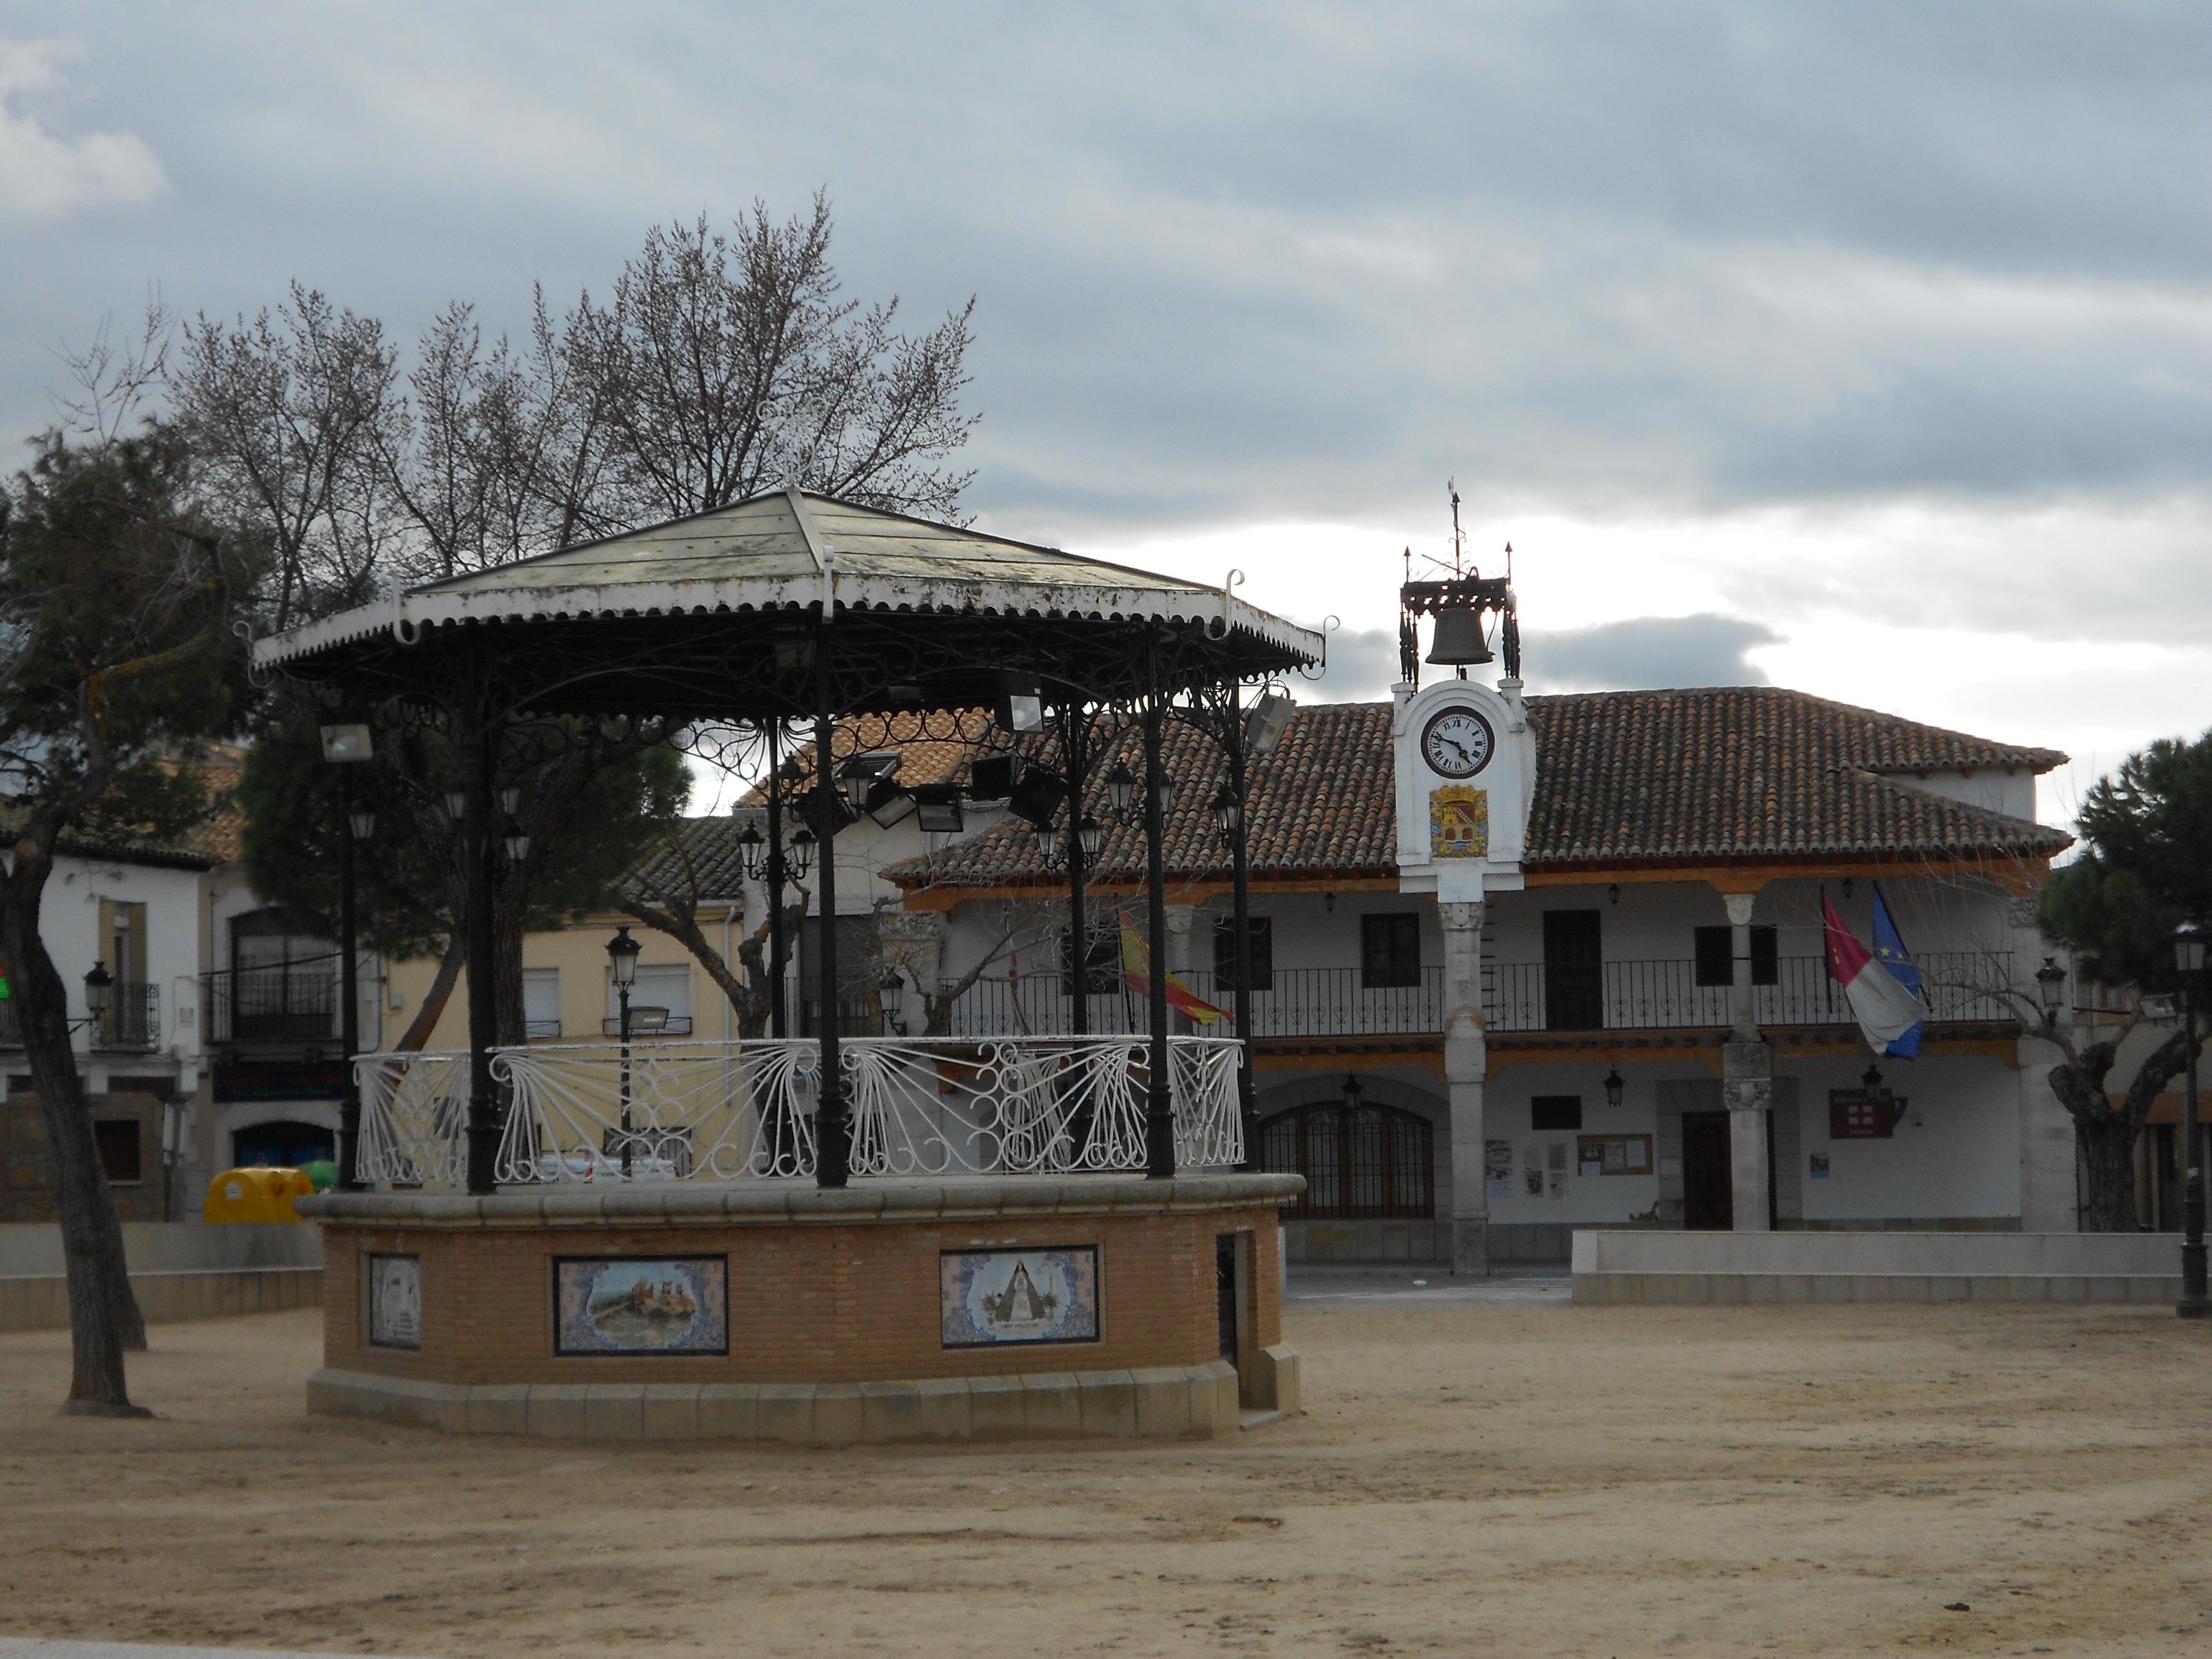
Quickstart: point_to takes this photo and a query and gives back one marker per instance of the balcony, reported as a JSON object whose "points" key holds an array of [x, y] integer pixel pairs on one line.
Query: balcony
{"points": [[1526, 996], [284, 1002], [132, 1024]]}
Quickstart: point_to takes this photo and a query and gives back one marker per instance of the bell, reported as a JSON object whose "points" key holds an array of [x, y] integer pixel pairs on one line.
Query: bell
{"points": [[1458, 639]]}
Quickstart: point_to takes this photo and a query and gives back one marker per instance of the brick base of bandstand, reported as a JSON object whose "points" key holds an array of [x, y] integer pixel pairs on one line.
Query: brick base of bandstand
{"points": [[447, 1311]]}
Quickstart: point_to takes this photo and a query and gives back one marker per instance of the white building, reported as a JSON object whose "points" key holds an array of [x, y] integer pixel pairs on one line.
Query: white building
{"points": [[1639, 843]]}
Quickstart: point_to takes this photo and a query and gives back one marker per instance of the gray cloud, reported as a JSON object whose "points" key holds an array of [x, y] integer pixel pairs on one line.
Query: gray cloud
{"points": [[1640, 653], [1644, 653], [1273, 262]]}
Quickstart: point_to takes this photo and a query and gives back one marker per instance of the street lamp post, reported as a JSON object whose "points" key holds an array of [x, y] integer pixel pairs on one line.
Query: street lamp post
{"points": [[2189, 959], [348, 743], [622, 964], [99, 997]]}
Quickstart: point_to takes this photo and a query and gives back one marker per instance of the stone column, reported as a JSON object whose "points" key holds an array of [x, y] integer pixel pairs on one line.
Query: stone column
{"points": [[1467, 1063], [1747, 1079], [1187, 925]]}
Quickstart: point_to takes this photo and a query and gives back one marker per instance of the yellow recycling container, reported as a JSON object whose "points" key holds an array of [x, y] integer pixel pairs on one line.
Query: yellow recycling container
{"points": [[256, 1194]]}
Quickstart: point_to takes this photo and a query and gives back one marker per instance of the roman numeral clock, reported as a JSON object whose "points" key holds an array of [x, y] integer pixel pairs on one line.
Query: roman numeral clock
{"points": [[1465, 760]]}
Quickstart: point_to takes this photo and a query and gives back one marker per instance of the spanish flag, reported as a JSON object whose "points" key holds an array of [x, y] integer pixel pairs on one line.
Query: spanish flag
{"points": [[1137, 971]]}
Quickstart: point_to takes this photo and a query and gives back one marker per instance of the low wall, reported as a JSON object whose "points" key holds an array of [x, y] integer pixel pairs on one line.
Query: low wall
{"points": [[178, 1270], [1625, 1267], [887, 1311]]}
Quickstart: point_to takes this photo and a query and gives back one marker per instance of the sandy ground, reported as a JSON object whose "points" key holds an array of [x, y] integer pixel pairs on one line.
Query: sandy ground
{"points": [[1506, 1475]]}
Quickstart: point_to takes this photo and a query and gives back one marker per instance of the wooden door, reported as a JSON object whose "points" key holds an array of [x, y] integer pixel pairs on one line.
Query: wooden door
{"points": [[1708, 1176], [1574, 971]]}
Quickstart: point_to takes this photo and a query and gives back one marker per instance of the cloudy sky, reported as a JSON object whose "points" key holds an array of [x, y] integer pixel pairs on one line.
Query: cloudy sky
{"points": [[1864, 348]]}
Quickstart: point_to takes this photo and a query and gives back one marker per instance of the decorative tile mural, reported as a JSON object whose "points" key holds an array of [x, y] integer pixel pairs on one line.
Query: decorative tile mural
{"points": [[1458, 822], [641, 1304], [1049, 1294], [395, 1301]]}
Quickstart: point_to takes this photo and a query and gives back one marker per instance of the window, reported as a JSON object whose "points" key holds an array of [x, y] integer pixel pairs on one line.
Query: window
{"points": [[1103, 966], [123, 940], [665, 984], [1548, 1112], [117, 1139], [1262, 933], [541, 1002], [1365, 1162], [1390, 950], [1717, 957]]}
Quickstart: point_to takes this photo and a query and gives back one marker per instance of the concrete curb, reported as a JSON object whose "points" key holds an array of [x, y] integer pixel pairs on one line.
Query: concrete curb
{"points": [[1189, 1402]]}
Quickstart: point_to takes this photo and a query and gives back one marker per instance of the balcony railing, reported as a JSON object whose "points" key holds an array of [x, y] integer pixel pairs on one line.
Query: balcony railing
{"points": [[133, 1019], [281, 1002], [1516, 996], [733, 1111], [131, 1024], [1665, 995]]}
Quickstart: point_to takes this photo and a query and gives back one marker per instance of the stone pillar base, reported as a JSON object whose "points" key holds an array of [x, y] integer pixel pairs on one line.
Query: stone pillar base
{"points": [[1471, 1246]]}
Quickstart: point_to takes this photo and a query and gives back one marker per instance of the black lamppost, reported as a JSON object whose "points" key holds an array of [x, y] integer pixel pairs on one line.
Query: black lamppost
{"points": [[348, 743], [769, 862], [891, 995], [99, 997], [622, 965], [2189, 959]]}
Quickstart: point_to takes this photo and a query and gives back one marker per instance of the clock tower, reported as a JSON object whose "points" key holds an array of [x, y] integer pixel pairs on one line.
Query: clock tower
{"points": [[1466, 771]]}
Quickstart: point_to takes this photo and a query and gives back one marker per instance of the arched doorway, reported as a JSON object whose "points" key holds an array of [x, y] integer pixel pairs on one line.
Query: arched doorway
{"points": [[1361, 1163]]}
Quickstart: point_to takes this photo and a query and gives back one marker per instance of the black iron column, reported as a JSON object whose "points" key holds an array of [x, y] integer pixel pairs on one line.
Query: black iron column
{"points": [[1240, 887], [349, 994], [476, 844], [1160, 1105], [775, 950], [1075, 757], [833, 1148], [2194, 1303]]}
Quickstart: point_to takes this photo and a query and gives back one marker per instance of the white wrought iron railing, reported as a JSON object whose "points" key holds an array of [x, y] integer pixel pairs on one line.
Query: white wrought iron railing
{"points": [[726, 1111]]}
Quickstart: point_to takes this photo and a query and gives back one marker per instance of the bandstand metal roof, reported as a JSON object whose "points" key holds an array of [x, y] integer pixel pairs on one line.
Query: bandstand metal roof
{"points": [[708, 615]]}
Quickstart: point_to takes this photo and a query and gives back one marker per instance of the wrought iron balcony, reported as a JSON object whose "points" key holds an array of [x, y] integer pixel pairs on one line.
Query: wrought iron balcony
{"points": [[283, 1002], [131, 1024], [1662, 995]]}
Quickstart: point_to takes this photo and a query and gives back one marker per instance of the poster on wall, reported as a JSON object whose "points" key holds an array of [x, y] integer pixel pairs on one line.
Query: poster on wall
{"points": [[1498, 1169], [675, 1304], [1531, 1170], [395, 1301], [986, 1297]]}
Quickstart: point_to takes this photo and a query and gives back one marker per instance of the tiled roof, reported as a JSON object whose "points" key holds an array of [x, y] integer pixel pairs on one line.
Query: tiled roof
{"points": [[935, 748], [1624, 778], [1758, 771], [700, 860]]}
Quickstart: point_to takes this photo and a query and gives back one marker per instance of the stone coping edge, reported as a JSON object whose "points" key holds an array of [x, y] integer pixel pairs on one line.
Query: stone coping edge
{"points": [[1786, 1289], [678, 1204], [1160, 1403]]}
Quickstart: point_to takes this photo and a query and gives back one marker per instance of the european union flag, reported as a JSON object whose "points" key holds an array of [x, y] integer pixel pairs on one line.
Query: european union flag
{"points": [[1889, 950]]}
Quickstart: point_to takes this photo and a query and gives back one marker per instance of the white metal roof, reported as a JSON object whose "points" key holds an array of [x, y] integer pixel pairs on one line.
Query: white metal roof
{"points": [[792, 550]]}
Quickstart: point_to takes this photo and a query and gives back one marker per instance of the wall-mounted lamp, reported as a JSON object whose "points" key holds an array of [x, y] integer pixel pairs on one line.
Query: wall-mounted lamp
{"points": [[1612, 894], [1615, 1086]]}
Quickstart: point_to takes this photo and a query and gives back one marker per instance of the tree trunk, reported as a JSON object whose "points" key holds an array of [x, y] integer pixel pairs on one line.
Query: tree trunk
{"points": [[436, 999], [2108, 1151], [104, 1316]]}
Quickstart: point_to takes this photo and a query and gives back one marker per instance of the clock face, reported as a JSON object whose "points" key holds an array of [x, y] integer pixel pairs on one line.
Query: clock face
{"points": [[1457, 743]]}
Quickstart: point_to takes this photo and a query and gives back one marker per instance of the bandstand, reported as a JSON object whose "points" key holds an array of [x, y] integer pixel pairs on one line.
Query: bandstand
{"points": [[822, 1238]]}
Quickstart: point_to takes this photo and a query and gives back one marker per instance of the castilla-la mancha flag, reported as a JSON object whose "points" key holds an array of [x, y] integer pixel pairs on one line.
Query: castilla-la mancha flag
{"points": [[1884, 1010]]}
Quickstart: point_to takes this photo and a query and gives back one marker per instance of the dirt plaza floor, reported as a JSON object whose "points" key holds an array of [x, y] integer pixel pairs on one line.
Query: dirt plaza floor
{"points": [[1475, 1474]]}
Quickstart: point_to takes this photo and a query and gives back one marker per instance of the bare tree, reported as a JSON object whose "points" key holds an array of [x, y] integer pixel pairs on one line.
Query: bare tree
{"points": [[726, 365], [288, 412]]}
